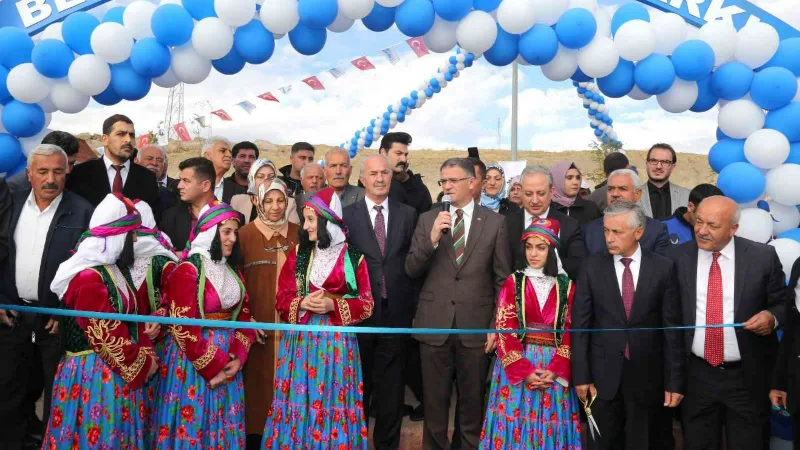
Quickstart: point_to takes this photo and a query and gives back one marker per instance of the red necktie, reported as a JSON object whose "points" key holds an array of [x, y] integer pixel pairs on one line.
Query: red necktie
{"points": [[380, 235], [628, 292], [116, 188], [714, 349]]}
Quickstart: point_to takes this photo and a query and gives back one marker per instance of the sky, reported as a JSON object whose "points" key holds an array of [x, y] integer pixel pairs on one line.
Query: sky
{"points": [[468, 112]]}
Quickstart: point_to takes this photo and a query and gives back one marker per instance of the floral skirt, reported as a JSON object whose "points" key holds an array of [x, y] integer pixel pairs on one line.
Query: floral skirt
{"points": [[189, 414], [93, 407], [522, 418], [318, 392], [151, 392]]}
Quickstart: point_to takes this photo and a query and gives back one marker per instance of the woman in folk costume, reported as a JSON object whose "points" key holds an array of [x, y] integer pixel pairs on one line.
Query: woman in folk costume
{"points": [[318, 383], [266, 243], [262, 171], [531, 404], [201, 393], [98, 398]]}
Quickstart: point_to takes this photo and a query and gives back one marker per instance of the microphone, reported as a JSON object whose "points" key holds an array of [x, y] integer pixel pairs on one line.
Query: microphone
{"points": [[446, 208]]}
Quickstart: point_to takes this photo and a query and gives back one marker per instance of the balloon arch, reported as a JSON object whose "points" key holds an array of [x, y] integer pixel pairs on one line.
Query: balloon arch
{"points": [[747, 64]]}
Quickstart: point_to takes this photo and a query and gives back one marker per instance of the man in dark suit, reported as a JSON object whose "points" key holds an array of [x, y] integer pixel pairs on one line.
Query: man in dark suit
{"points": [[154, 159], [382, 229], [624, 185], [46, 223], [115, 171], [5, 214], [337, 173], [218, 151], [723, 280], [632, 374], [196, 189], [537, 192], [464, 269], [786, 378]]}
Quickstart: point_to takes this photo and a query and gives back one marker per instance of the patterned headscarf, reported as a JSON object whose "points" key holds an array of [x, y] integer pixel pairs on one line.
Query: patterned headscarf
{"points": [[149, 241], [203, 234], [263, 190], [559, 173], [512, 182], [546, 230], [490, 202], [327, 205], [251, 176]]}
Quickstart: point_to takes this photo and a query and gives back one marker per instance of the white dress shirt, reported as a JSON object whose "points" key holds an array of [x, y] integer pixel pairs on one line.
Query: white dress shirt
{"points": [[529, 217], [373, 213], [29, 238], [219, 188], [164, 182], [727, 266], [636, 263], [112, 172]]}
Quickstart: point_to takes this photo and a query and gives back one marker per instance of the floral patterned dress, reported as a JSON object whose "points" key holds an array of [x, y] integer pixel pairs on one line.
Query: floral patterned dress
{"points": [[318, 383]]}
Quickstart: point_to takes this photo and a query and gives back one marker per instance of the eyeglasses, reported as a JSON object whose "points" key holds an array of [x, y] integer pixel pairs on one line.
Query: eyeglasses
{"points": [[452, 180], [659, 162]]}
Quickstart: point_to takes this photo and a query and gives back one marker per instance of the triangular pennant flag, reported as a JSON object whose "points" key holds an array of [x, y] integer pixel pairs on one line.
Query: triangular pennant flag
{"points": [[418, 45], [391, 53], [200, 120], [222, 115], [363, 63], [183, 132], [314, 83], [246, 106], [269, 97], [336, 72], [144, 141], [286, 89]]}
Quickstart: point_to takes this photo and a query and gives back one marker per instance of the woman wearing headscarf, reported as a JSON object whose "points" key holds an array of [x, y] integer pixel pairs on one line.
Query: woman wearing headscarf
{"points": [[318, 397], [493, 195], [262, 171], [567, 182], [201, 394], [531, 403], [515, 191], [266, 243], [98, 394]]}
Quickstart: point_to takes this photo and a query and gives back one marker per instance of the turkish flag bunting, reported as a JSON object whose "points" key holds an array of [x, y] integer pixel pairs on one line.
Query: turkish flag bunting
{"points": [[269, 97], [144, 141], [314, 83], [222, 115], [363, 63], [418, 45], [183, 132]]}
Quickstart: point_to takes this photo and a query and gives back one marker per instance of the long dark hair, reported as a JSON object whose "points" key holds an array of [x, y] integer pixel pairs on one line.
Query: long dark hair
{"points": [[236, 257], [323, 237], [550, 267], [127, 255]]}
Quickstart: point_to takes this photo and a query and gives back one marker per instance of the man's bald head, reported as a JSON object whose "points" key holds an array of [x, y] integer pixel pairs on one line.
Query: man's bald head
{"points": [[717, 222]]}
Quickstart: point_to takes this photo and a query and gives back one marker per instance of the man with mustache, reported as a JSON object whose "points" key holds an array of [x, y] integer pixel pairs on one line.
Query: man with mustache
{"points": [[66, 141], [154, 159], [244, 154], [407, 187], [661, 197], [115, 171], [337, 173], [218, 151], [302, 154]]}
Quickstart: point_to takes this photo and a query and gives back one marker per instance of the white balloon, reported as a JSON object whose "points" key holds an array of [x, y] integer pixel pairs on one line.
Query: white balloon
{"points": [[477, 32], [757, 43], [278, 36], [637, 94], [53, 31], [563, 65], [67, 99], [587, 102], [783, 184], [48, 117], [603, 108], [549, 11], [520, 60], [188, 66], [785, 217], [89, 74], [766, 149], [27, 85], [112, 42], [590, 5], [461, 66], [755, 224], [670, 31], [599, 58], [235, 13], [722, 37], [516, 16], [593, 105], [680, 97], [441, 38], [788, 251], [137, 17], [170, 2], [356, 9], [168, 80], [635, 40], [440, 78], [740, 118], [341, 24], [279, 16], [602, 126], [211, 38], [389, 3], [409, 111], [603, 20], [47, 106], [461, 57]]}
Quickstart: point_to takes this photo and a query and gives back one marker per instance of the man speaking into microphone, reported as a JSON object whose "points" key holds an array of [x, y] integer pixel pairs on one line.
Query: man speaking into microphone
{"points": [[465, 257]]}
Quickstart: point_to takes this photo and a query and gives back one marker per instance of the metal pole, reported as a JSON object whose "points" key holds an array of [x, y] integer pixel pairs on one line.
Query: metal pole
{"points": [[514, 76]]}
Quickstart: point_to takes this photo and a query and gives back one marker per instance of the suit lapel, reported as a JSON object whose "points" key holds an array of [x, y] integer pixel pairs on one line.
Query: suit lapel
{"points": [[447, 241], [610, 275], [689, 261], [740, 274], [370, 231], [642, 285], [644, 202], [393, 226], [103, 174], [475, 229]]}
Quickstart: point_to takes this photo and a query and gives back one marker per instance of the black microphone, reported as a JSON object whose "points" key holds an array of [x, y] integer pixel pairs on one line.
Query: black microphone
{"points": [[445, 208]]}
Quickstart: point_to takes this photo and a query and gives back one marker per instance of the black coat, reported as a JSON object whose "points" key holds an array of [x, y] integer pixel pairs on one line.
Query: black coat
{"points": [[5, 215], [507, 207], [177, 224], [787, 367], [571, 250], [654, 239], [582, 210], [402, 292], [656, 356], [231, 188], [412, 192]]}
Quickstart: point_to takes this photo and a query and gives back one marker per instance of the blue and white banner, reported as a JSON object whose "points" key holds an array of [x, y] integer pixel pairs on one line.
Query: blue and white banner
{"points": [[246, 106], [391, 53], [33, 16]]}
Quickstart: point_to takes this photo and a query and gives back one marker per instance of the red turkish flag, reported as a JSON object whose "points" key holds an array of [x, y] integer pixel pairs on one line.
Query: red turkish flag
{"points": [[144, 141], [419, 47], [183, 132], [268, 97], [314, 83], [363, 63], [222, 115]]}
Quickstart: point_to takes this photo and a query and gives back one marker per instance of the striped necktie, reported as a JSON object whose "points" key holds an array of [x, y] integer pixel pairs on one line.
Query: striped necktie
{"points": [[459, 236]]}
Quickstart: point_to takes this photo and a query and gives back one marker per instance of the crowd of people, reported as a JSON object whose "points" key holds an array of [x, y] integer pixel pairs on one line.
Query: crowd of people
{"points": [[537, 256]]}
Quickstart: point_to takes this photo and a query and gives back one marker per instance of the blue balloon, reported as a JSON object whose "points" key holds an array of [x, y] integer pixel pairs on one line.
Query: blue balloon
{"points": [[721, 135], [726, 152], [372, 123], [4, 94], [794, 154], [401, 117], [230, 64], [773, 88], [785, 120], [379, 19], [200, 9], [742, 182], [504, 50], [77, 32], [114, 15], [385, 130], [353, 152], [149, 58], [580, 76], [404, 101], [415, 17], [486, 5], [367, 142], [429, 92], [128, 84], [385, 118], [172, 25], [580, 89], [354, 141], [10, 152], [693, 60], [306, 40], [403, 109], [21, 165], [452, 60], [732, 80], [434, 83], [52, 58], [706, 98], [254, 42], [787, 56], [576, 28], [619, 82], [469, 58], [626, 13], [593, 126], [452, 10], [538, 45], [655, 74], [15, 47], [449, 76], [22, 119], [592, 112], [317, 13], [793, 234], [598, 133], [109, 97]]}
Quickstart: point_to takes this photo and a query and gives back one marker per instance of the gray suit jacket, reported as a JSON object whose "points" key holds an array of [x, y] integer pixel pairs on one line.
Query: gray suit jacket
{"points": [[679, 196], [463, 295]]}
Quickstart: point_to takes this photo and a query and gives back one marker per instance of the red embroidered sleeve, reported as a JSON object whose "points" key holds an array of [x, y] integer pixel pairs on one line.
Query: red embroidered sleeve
{"points": [[287, 302], [561, 363], [350, 311], [163, 308], [509, 348], [243, 338]]}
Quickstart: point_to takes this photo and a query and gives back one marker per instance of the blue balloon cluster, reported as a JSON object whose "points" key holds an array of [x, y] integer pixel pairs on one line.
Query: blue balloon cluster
{"points": [[595, 114]]}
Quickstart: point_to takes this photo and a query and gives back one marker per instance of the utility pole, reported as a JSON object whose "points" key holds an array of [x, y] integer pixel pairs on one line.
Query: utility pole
{"points": [[514, 82]]}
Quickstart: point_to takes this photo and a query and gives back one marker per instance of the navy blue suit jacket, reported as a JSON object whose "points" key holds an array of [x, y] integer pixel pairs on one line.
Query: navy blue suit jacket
{"points": [[654, 239]]}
